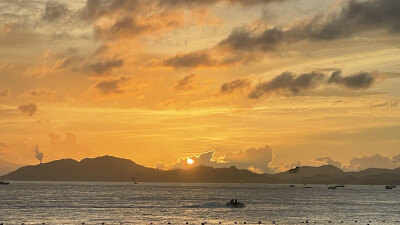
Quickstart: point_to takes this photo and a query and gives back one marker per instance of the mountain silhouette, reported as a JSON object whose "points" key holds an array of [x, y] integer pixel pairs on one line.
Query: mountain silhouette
{"points": [[113, 169]]}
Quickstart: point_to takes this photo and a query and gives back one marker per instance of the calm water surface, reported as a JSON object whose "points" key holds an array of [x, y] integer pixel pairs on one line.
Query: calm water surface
{"points": [[160, 203]]}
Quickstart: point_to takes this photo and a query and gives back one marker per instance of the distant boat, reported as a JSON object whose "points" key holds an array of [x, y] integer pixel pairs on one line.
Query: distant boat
{"points": [[134, 180], [292, 185], [341, 185], [235, 204], [4, 182], [332, 187], [390, 186]]}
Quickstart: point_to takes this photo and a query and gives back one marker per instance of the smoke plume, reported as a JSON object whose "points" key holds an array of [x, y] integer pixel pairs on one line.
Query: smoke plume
{"points": [[38, 155]]}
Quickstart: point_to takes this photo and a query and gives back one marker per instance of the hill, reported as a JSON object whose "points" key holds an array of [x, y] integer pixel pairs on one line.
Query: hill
{"points": [[112, 169]]}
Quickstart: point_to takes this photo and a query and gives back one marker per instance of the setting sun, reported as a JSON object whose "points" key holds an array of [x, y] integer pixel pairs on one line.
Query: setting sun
{"points": [[190, 161]]}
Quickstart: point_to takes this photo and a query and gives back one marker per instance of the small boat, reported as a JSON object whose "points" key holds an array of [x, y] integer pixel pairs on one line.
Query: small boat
{"points": [[292, 185], [332, 187], [341, 185], [4, 182], [235, 204], [389, 187]]}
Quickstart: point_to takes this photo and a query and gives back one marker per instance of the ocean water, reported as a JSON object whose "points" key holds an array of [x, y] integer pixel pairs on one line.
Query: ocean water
{"points": [[160, 203]]}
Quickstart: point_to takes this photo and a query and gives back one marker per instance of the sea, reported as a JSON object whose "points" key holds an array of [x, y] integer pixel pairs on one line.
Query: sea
{"points": [[181, 203]]}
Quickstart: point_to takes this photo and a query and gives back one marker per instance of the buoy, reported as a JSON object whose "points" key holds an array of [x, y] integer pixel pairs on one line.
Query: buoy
{"points": [[259, 222], [187, 223], [244, 222]]}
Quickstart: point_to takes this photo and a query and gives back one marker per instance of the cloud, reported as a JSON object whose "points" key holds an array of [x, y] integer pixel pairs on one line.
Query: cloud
{"points": [[111, 86], [186, 84], [387, 104], [361, 80], [67, 148], [28, 109], [5, 149], [396, 158], [287, 83], [39, 93], [258, 158], [5, 93], [123, 27], [374, 161], [329, 161], [55, 11], [243, 45], [197, 3], [255, 159], [232, 86], [159, 166], [195, 59], [95, 9], [106, 66]]}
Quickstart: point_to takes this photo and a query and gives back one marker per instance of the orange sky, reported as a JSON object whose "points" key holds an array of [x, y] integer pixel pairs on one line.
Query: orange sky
{"points": [[261, 84]]}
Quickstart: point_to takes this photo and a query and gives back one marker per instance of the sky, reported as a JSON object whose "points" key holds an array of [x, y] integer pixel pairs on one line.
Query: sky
{"points": [[263, 85]]}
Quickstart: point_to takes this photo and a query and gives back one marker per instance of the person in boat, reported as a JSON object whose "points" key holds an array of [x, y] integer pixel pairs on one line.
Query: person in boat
{"points": [[235, 203], [232, 201]]}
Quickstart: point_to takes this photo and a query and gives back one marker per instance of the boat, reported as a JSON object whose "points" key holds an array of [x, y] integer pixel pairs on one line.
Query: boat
{"points": [[332, 187], [340, 185], [4, 182], [292, 185], [235, 204], [389, 187]]}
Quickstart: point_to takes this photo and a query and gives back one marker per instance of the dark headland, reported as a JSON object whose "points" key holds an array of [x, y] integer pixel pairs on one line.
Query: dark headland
{"points": [[112, 169]]}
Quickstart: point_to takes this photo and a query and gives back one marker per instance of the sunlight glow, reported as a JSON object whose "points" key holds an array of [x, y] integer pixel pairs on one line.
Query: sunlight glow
{"points": [[190, 161]]}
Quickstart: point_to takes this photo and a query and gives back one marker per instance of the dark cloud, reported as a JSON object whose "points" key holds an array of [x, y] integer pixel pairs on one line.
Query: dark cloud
{"points": [[357, 81], [112, 86], [186, 84], [95, 9], [329, 161], [291, 84], [106, 66], [194, 3], [243, 40], [354, 18], [28, 109], [195, 59], [123, 27], [55, 11], [229, 87], [287, 83], [5, 93]]}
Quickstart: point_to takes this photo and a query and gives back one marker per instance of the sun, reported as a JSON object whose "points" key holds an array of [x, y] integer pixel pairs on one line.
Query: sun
{"points": [[190, 161]]}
